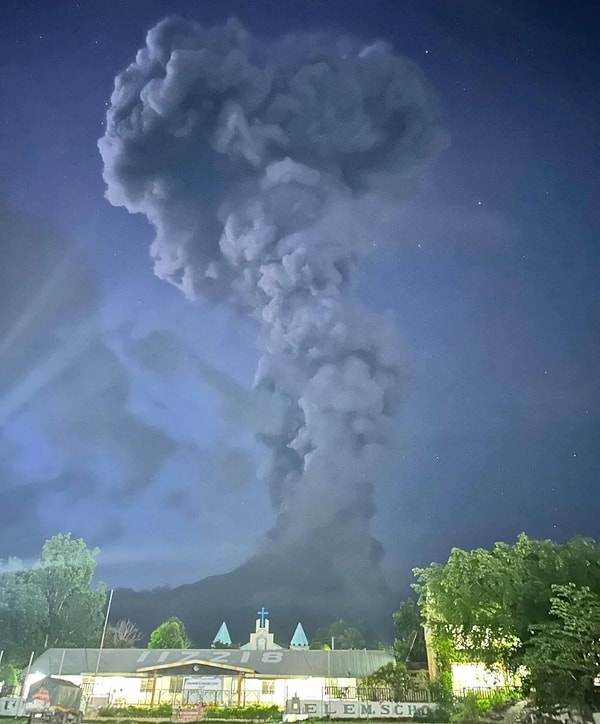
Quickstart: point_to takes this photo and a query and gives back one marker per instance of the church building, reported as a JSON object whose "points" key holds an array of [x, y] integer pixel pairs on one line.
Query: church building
{"points": [[259, 671]]}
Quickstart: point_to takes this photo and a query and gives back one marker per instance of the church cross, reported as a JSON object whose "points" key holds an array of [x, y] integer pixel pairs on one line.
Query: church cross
{"points": [[263, 614]]}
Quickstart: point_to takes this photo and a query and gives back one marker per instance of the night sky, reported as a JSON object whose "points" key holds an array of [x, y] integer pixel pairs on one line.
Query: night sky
{"points": [[127, 414]]}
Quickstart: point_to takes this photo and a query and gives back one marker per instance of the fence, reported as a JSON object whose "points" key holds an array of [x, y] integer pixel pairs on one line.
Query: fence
{"points": [[413, 695], [482, 692], [176, 696], [379, 693]]}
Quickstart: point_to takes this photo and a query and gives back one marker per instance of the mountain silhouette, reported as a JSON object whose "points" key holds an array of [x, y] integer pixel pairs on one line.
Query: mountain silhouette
{"points": [[306, 588]]}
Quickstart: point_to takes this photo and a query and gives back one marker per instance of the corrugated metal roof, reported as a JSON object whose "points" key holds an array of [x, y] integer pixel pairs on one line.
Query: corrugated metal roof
{"points": [[283, 662]]}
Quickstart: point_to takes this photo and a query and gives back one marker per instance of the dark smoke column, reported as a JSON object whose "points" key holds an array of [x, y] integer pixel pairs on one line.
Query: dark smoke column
{"points": [[264, 170]]}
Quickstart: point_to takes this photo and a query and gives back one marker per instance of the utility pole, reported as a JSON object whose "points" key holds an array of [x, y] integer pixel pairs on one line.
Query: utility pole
{"points": [[112, 590], [25, 687]]}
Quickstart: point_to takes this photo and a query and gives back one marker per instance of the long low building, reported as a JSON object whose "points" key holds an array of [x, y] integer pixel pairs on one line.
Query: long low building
{"points": [[226, 676]]}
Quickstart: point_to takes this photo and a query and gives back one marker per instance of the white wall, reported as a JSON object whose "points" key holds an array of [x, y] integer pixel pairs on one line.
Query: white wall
{"points": [[122, 690], [467, 676]]}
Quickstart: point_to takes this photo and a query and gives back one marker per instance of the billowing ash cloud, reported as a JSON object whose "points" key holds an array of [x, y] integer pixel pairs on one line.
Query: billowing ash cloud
{"points": [[265, 170]]}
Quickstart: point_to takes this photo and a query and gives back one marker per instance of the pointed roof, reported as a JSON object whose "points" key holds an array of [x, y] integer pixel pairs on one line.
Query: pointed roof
{"points": [[222, 636], [299, 637]]}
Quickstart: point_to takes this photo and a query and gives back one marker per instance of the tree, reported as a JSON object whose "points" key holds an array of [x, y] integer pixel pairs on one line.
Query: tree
{"points": [[409, 644], [344, 635], [8, 679], [563, 655], [169, 635], [21, 611], [481, 604], [221, 645], [73, 610], [393, 678], [52, 603], [122, 635]]}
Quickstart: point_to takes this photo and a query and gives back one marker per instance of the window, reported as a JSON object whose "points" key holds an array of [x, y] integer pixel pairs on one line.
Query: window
{"points": [[175, 684], [146, 685], [268, 686]]}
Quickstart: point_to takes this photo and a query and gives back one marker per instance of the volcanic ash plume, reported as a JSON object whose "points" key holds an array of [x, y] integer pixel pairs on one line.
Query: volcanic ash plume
{"points": [[264, 170]]}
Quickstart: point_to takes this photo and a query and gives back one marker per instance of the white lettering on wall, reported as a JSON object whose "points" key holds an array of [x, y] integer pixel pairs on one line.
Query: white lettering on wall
{"points": [[220, 657], [362, 709], [272, 657]]}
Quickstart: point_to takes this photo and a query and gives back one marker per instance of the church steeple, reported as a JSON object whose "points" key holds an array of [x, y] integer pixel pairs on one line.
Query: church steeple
{"points": [[299, 640], [263, 613], [262, 639], [222, 636]]}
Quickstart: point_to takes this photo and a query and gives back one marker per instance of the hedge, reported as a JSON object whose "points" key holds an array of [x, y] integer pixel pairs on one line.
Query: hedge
{"points": [[262, 712], [135, 712]]}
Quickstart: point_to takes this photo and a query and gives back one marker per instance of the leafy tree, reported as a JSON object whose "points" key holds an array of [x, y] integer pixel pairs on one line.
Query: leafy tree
{"points": [[221, 645], [393, 678], [53, 603], [21, 612], [563, 655], [73, 610], [169, 635], [481, 604], [409, 644], [344, 635], [122, 635], [8, 679]]}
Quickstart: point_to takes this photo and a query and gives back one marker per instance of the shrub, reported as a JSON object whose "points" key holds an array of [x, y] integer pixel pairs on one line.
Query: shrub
{"points": [[437, 714], [263, 712], [135, 712], [473, 705], [500, 697], [8, 674], [441, 693]]}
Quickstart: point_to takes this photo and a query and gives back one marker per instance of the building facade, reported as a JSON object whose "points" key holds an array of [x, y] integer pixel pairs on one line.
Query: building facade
{"points": [[116, 677]]}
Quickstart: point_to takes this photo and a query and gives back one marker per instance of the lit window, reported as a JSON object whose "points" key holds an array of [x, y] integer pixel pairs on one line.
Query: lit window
{"points": [[268, 686]]}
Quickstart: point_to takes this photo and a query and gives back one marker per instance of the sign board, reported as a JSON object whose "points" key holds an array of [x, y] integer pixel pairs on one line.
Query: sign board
{"points": [[207, 683], [353, 709]]}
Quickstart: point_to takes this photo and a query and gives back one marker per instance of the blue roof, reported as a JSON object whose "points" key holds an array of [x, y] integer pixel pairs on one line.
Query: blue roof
{"points": [[299, 637], [222, 636]]}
